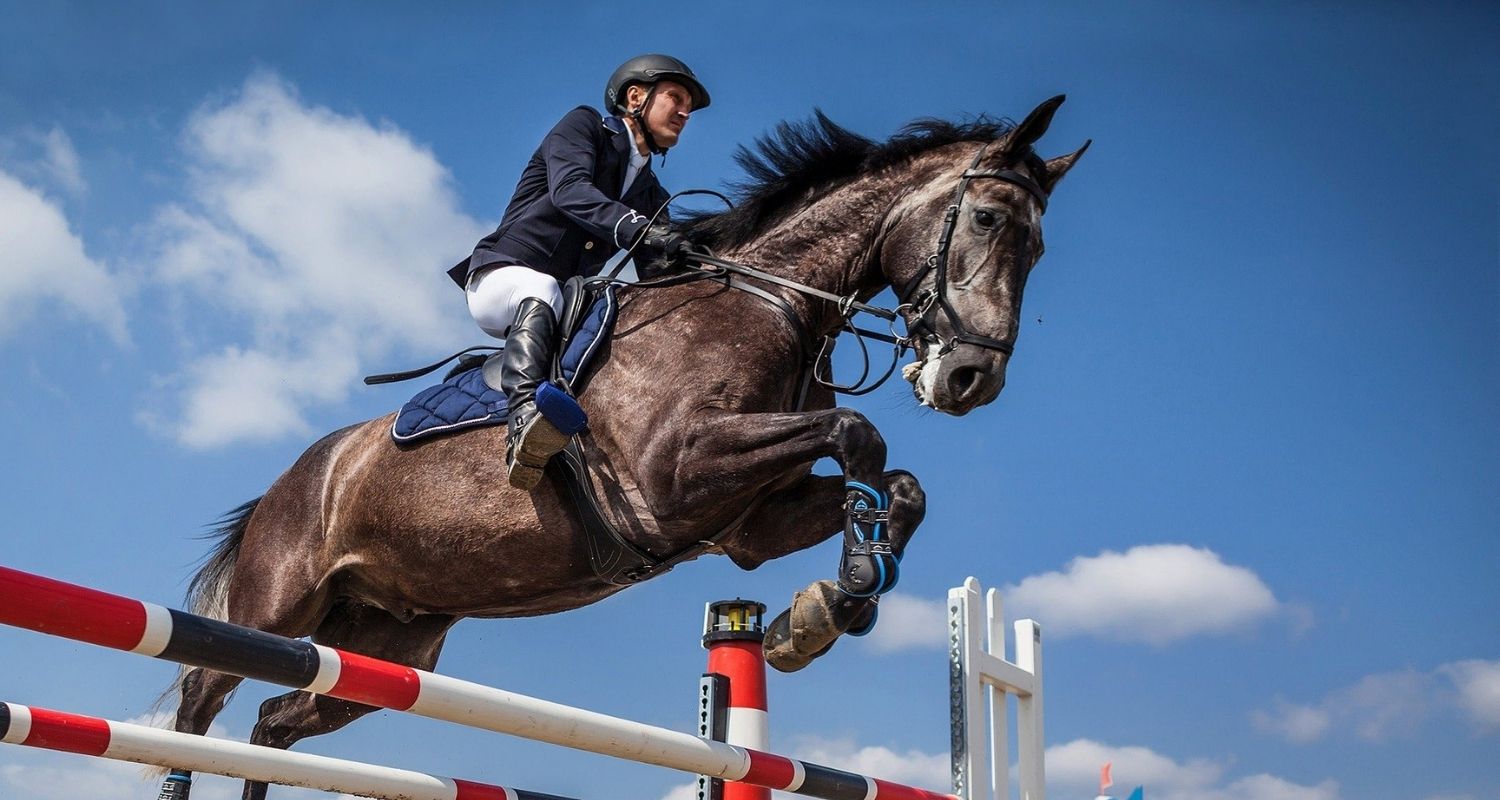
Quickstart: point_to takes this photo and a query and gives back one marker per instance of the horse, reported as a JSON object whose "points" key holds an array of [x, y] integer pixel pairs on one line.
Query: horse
{"points": [[379, 548]]}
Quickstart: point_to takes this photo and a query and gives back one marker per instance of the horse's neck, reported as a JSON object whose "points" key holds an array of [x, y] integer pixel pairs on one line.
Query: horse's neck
{"points": [[831, 244]]}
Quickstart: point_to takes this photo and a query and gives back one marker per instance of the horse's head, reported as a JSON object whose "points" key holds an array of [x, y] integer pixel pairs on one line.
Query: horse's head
{"points": [[958, 252]]}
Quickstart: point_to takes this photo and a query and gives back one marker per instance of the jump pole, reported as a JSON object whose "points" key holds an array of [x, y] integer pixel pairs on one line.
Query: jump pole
{"points": [[122, 741], [88, 615]]}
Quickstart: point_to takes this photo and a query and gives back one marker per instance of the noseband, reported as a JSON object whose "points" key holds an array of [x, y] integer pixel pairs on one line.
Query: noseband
{"points": [[929, 302]]}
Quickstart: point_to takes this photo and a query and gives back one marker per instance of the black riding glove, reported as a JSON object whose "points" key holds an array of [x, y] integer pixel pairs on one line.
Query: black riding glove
{"points": [[672, 244]]}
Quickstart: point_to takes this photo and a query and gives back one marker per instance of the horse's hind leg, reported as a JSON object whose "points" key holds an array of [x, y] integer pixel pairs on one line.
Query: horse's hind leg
{"points": [[358, 628]]}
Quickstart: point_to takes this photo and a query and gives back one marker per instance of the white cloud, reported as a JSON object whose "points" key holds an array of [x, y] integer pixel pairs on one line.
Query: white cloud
{"points": [[1151, 593], [1379, 706], [1478, 685], [1292, 722], [43, 264], [236, 394], [1073, 771], [908, 622], [1372, 708], [62, 162], [323, 237]]}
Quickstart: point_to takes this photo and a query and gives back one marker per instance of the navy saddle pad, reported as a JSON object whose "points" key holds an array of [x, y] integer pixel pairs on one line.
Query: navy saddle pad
{"points": [[466, 401]]}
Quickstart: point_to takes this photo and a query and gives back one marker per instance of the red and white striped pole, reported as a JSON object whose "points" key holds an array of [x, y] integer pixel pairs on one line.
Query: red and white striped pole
{"points": [[122, 741], [88, 615], [732, 633]]}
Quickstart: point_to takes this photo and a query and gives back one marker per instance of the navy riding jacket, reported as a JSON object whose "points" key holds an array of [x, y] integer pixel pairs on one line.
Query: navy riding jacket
{"points": [[567, 216]]}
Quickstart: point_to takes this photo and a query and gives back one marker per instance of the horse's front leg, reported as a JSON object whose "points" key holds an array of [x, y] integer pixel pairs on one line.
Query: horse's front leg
{"points": [[797, 518], [877, 512]]}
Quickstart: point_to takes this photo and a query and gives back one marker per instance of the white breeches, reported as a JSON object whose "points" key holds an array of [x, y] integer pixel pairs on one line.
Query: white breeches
{"points": [[496, 292]]}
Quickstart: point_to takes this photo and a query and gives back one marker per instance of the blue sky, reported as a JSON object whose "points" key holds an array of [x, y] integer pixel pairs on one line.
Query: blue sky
{"points": [[1243, 472]]}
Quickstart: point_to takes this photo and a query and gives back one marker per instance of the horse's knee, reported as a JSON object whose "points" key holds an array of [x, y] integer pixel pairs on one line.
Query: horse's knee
{"points": [[858, 439]]}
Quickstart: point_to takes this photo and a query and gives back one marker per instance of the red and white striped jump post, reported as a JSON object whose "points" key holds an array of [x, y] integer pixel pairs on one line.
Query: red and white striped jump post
{"points": [[732, 694], [122, 741], [87, 615]]}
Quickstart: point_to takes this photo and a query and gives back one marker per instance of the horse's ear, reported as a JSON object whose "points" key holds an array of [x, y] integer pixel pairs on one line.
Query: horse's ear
{"points": [[1058, 167], [1032, 128]]}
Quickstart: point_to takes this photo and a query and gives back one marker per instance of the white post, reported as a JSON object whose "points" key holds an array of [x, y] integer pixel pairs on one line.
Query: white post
{"points": [[967, 737], [999, 719], [1030, 744], [978, 671]]}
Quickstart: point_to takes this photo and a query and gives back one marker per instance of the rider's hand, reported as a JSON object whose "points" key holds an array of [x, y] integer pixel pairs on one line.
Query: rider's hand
{"points": [[671, 243]]}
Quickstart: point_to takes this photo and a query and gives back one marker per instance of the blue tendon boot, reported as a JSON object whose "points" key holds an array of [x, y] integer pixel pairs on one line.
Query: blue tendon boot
{"points": [[869, 566], [177, 785]]}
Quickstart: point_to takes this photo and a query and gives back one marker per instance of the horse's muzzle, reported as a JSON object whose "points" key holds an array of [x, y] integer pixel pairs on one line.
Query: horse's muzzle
{"points": [[962, 380]]}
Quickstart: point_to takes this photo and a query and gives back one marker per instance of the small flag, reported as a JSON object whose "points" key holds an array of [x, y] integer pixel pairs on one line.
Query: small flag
{"points": [[1105, 781]]}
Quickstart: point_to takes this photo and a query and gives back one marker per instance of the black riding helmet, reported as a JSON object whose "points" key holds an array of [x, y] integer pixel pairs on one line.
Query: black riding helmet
{"points": [[650, 69]]}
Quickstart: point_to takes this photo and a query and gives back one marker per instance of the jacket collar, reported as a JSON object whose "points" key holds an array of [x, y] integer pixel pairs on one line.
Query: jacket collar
{"points": [[620, 136], [624, 143]]}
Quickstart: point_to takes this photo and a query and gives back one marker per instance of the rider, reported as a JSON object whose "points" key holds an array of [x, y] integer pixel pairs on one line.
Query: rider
{"points": [[587, 192]]}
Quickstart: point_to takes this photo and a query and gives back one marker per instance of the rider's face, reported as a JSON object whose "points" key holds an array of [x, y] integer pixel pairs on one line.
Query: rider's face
{"points": [[668, 113]]}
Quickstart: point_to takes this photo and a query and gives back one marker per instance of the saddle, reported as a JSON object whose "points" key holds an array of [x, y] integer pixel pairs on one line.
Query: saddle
{"points": [[466, 399]]}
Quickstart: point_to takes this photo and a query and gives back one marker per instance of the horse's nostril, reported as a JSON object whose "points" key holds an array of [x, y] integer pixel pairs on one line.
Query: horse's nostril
{"points": [[965, 380]]}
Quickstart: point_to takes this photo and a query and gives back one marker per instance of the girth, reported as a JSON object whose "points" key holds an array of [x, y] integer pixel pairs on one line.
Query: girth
{"points": [[614, 558]]}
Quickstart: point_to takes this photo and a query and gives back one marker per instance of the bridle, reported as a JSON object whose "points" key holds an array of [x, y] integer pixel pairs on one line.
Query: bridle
{"points": [[928, 303]]}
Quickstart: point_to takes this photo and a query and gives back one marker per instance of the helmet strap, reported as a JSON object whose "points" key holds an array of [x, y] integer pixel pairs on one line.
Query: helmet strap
{"points": [[639, 115]]}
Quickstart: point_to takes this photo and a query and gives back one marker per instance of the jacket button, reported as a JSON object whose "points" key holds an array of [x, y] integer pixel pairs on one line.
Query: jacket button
{"points": [[588, 245]]}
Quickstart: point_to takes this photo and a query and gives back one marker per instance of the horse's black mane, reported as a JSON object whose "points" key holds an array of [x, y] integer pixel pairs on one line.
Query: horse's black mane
{"points": [[799, 161]]}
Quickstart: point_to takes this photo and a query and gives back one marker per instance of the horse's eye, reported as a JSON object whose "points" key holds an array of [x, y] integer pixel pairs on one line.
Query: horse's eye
{"points": [[985, 218]]}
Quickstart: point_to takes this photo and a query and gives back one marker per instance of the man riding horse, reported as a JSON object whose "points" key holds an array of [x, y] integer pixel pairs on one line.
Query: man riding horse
{"points": [[587, 193], [379, 547]]}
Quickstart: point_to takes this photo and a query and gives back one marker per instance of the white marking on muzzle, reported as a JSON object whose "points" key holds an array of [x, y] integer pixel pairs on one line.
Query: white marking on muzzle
{"points": [[923, 377]]}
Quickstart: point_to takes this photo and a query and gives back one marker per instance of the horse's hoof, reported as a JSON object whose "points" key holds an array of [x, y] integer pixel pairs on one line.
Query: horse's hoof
{"points": [[777, 647], [802, 633]]}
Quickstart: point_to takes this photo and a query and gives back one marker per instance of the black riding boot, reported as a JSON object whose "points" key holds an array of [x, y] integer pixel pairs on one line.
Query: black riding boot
{"points": [[531, 440]]}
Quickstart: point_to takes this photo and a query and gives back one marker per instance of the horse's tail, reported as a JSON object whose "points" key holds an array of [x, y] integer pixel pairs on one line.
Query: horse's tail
{"points": [[208, 592]]}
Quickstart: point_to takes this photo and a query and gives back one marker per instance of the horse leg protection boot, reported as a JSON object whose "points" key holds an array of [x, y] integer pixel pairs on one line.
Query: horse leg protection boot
{"points": [[531, 439], [870, 565]]}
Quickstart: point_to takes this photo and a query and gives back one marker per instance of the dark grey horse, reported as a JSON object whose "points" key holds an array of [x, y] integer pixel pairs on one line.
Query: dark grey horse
{"points": [[379, 549]]}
